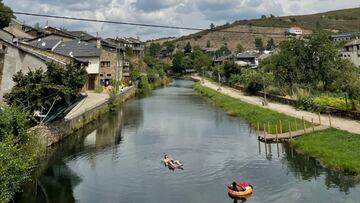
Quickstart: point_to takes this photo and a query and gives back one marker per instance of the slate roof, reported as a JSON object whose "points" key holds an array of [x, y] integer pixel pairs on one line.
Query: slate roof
{"points": [[47, 44], [244, 55], [81, 35], [77, 48]]}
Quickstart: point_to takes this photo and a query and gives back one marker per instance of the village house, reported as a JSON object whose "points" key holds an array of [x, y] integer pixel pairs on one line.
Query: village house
{"points": [[342, 37], [137, 46], [246, 60], [351, 51], [294, 31], [14, 58], [19, 30], [105, 60]]}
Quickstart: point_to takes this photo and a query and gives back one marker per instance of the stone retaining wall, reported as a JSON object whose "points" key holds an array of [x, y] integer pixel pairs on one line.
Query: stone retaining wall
{"points": [[53, 133]]}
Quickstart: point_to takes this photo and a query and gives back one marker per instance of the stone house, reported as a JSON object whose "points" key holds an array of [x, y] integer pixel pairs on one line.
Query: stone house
{"points": [[351, 51], [14, 59], [342, 37]]}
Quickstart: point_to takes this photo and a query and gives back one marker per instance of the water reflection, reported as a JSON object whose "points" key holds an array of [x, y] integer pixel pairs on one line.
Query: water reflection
{"points": [[54, 181], [307, 168]]}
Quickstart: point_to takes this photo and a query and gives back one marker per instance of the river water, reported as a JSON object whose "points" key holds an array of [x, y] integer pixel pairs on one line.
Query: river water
{"points": [[118, 159]]}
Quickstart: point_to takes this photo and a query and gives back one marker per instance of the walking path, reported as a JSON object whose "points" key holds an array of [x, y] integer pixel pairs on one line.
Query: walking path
{"points": [[352, 126], [92, 100]]}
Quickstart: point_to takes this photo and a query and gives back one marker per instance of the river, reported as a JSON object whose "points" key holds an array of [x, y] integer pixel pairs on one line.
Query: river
{"points": [[118, 159]]}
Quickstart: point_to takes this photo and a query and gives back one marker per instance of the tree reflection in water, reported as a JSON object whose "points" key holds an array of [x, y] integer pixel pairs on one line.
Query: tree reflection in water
{"points": [[54, 181], [308, 168]]}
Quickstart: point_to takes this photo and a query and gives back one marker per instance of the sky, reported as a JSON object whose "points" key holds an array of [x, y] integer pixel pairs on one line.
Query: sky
{"points": [[188, 13]]}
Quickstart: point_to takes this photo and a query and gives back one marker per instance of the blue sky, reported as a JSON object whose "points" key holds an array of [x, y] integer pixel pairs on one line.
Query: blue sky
{"points": [[191, 13]]}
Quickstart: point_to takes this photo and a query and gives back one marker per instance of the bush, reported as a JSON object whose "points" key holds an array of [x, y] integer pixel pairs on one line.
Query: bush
{"points": [[19, 152], [143, 86]]}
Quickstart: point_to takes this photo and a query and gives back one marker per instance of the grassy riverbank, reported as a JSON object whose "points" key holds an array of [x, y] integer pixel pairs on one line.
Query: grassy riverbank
{"points": [[252, 113], [336, 149]]}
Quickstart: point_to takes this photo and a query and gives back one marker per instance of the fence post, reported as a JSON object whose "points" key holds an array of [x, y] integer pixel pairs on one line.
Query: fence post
{"points": [[296, 128], [269, 131], [330, 120], [312, 123], [265, 133], [319, 118], [276, 131], [281, 127], [258, 129], [304, 125], [290, 130]]}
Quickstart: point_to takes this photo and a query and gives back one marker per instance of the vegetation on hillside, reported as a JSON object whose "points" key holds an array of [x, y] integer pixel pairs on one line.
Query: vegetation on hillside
{"points": [[6, 14]]}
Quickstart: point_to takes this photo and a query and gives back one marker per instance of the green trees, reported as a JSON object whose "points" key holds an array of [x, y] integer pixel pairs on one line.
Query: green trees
{"points": [[188, 48], [270, 44], [212, 26], [239, 48], [259, 44], [39, 90], [154, 49], [200, 60], [19, 152], [5, 15], [178, 62]]}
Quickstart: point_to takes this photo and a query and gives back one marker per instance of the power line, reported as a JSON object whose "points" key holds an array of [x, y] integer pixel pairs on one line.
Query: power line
{"points": [[136, 24]]}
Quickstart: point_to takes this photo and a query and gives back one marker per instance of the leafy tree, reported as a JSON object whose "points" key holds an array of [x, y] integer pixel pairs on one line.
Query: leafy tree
{"points": [[154, 49], [177, 62], [200, 60], [270, 44], [229, 69], [39, 90], [19, 152], [170, 47], [347, 80], [272, 16], [255, 81], [188, 48], [263, 16], [208, 44], [259, 44], [223, 51], [129, 52], [212, 26], [6, 14], [239, 48]]}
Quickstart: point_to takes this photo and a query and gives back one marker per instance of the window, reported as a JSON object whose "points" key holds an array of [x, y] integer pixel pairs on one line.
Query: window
{"points": [[105, 64], [101, 75], [108, 75]]}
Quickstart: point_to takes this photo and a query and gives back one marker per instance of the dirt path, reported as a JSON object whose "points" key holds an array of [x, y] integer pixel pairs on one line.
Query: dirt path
{"points": [[339, 123]]}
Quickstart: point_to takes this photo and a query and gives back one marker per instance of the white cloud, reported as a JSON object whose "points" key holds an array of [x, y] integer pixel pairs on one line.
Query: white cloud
{"points": [[189, 13]]}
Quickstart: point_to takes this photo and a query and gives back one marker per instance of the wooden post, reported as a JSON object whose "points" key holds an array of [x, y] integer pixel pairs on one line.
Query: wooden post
{"points": [[319, 118], [304, 125], [258, 129], [290, 130], [265, 133], [330, 120], [312, 123], [276, 131], [269, 131], [296, 128], [280, 127]]}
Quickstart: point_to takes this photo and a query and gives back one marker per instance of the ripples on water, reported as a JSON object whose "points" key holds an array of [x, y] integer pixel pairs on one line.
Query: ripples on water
{"points": [[118, 159]]}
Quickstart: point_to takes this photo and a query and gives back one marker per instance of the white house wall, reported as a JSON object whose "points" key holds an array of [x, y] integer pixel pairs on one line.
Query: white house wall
{"points": [[16, 60]]}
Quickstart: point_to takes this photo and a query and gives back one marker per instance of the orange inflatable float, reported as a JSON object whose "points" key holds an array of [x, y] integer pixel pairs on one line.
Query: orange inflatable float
{"points": [[242, 190]]}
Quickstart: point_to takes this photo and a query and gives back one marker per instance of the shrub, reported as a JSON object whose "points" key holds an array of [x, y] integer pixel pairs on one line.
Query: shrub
{"points": [[143, 86]]}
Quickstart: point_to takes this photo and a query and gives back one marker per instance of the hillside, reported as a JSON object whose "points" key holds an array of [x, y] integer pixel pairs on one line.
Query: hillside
{"points": [[347, 20]]}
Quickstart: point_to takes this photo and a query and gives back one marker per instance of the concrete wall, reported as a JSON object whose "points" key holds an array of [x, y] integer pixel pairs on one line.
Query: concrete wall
{"points": [[352, 53], [15, 60]]}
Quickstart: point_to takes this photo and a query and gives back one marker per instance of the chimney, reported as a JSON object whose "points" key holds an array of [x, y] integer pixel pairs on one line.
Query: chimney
{"points": [[98, 43]]}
